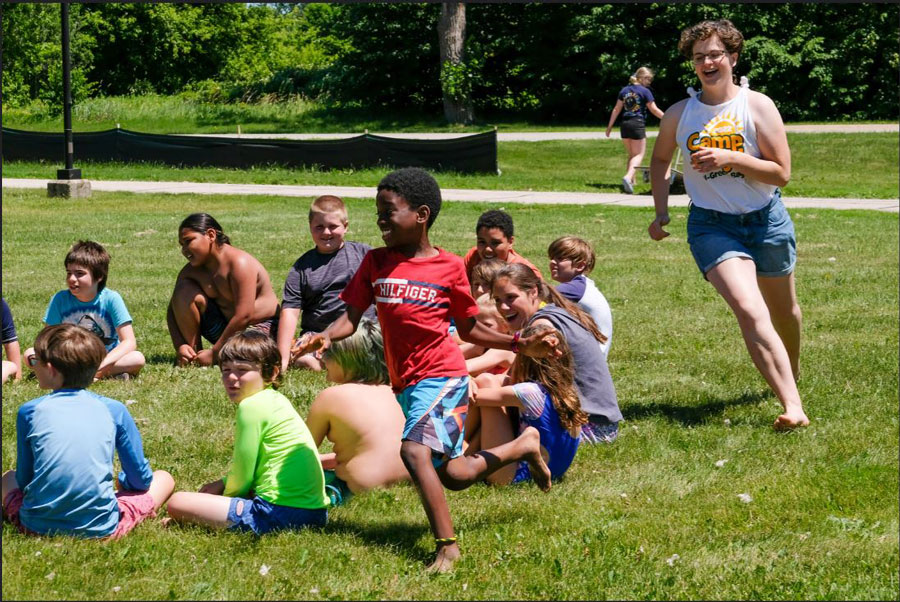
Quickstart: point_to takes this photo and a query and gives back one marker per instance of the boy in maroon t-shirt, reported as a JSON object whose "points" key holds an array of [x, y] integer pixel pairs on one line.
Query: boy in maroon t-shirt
{"points": [[417, 288]]}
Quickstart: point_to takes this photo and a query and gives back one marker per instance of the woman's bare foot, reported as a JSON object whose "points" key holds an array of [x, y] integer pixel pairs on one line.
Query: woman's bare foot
{"points": [[790, 420], [447, 555], [539, 471]]}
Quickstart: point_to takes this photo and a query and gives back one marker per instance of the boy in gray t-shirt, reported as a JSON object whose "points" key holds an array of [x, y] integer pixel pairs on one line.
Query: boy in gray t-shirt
{"points": [[317, 278]]}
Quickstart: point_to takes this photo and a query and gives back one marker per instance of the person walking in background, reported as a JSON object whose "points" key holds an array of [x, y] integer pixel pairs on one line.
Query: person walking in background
{"points": [[633, 102], [739, 231]]}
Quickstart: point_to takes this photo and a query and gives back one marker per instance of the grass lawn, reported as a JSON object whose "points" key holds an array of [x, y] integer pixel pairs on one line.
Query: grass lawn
{"points": [[823, 165], [649, 517]]}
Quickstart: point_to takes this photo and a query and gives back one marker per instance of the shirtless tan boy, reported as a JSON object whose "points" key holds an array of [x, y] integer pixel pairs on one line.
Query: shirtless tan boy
{"points": [[360, 416], [221, 291]]}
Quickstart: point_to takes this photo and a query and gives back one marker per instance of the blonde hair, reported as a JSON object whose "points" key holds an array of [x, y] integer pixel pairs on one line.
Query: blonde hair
{"points": [[328, 203], [556, 375], [74, 351], [643, 76], [254, 347], [524, 279], [485, 272], [486, 304], [361, 355], [573, 248]]}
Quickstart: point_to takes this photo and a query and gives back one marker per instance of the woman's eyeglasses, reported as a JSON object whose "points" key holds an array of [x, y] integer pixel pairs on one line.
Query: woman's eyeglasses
{"points": [[715, 56]]}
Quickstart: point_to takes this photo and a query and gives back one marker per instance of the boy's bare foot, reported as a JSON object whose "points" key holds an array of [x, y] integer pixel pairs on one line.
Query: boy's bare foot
{"points": [[167, 522], [447, 555], [539, 471], [791, 420]]}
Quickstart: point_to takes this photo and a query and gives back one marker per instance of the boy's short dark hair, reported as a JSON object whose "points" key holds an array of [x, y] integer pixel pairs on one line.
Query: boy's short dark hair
{"points": [[94, 257], [496, 218], [573, 248], [417, 186], [75, 352], [253, 347]]}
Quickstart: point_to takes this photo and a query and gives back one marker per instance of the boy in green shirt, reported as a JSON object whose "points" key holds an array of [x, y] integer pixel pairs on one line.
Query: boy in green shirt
{"points": [[275, 456]]}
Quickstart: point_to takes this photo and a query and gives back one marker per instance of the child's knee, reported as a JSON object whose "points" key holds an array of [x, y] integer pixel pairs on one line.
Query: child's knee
{"points": [[414, 455]]}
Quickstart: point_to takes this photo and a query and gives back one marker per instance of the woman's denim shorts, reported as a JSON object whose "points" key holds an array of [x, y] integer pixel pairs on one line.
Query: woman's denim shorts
{"points": [[766, 236]]}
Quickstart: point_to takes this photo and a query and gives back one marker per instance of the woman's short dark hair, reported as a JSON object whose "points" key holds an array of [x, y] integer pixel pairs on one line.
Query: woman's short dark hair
{"points": [[723, 28]]}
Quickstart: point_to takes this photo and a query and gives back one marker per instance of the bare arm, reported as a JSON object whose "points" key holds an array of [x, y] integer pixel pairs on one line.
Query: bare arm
{"points": [[14, 355], [127, 344], [341, 328], [488, 360], [287, 326], [317, 419], [774, 164], [497, 396], [663, 149], [655, 109], [537, 345], [612, 117]]}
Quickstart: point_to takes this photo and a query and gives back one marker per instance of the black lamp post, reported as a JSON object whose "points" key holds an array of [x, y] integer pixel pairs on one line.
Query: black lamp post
{"points": [[69, 173]]}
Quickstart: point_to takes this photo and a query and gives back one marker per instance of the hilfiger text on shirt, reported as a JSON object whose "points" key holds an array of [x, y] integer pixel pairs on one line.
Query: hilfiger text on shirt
{"points": [[401, 290]]}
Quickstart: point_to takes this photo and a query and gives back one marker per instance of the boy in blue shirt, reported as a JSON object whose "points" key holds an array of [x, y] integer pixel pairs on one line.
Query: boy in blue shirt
{"points": [[89, 304], [63, 482]]}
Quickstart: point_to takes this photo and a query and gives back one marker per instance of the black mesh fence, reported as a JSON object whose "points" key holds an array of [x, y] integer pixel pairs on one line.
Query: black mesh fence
{"points": [[467, 154]]}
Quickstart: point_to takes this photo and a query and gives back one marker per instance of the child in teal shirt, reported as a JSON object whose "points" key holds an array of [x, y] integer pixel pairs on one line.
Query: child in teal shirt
{"points": [[276, 479]]}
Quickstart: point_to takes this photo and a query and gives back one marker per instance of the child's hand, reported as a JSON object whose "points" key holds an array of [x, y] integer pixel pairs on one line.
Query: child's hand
{"points": [[214, 488], [308, 343], [185, 355], [542, 344], [473, 391], [203, 358], [656, 228]]}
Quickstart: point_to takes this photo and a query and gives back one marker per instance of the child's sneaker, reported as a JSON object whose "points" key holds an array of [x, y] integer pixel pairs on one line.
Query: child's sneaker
{"points": [[626, 184]]}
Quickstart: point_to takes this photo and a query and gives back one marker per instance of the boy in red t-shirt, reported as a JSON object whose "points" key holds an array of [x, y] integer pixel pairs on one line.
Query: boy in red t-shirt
{"points": [[417, 288], [494, 238]]}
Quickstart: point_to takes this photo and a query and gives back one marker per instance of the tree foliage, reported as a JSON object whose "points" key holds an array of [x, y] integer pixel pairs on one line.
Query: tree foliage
{"points": [[554, 62]]}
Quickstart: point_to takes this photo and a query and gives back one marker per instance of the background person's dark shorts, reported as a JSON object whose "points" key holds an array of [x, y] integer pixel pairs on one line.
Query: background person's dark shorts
{"points": [[632, 128]]}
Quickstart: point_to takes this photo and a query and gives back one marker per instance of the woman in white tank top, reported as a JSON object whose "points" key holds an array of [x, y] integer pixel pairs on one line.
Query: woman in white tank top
{"points": [[739, 231]]}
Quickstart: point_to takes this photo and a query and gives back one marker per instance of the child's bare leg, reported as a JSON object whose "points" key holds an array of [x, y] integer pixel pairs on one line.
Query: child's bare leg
{"points": [[308, 361], [472, 436], [495, 431], [417, 458], [9, 483], [201, 508], [161, 488], [130, 363], [187, 305], [463, 471], [9, 369]]}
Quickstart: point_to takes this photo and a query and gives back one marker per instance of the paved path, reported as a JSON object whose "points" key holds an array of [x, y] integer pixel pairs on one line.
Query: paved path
{"points": [[448, 194], [848, 128]]}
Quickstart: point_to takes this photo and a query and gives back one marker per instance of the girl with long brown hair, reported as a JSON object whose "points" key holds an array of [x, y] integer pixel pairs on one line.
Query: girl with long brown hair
{"points": [[543, 390]]}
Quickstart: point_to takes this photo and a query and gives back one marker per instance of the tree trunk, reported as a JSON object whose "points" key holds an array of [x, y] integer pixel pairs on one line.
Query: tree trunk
{"points": [[452, 37]]}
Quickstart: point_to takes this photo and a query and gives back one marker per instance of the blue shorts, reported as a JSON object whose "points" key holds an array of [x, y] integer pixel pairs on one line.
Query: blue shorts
{"points": [[766, 236], [261, 517], [435, 410]]}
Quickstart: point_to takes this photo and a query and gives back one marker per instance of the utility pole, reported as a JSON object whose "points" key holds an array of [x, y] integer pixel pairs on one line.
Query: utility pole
{"points": [[68, 181]]}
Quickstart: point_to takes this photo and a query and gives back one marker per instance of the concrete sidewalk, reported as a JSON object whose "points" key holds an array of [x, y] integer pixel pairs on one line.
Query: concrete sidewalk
{"points": [[448, 194], [838, 128]]}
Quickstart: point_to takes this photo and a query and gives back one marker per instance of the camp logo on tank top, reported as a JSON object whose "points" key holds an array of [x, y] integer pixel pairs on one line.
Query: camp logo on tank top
{"points": [[724, 130]]}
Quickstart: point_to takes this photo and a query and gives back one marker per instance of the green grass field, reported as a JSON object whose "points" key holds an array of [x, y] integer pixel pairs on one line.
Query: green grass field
{"points": [[649, 517], [823, 165]]}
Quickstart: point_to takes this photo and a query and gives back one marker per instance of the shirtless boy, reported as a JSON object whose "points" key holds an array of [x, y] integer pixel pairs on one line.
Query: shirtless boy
{"points": [[221, 291], [360, 415]]}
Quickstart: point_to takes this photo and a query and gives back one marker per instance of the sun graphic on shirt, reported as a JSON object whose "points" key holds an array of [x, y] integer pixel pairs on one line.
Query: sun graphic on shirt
{"points": [[723, 124]]}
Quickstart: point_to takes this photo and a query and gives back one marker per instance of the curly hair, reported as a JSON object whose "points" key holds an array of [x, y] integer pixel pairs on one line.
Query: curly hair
{"points": [[723, 28], [417, 186], [556, 375], [496, 218]]}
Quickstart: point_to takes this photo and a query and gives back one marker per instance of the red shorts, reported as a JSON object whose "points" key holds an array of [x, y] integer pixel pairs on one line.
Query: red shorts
{"points": [[134, 507]]}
